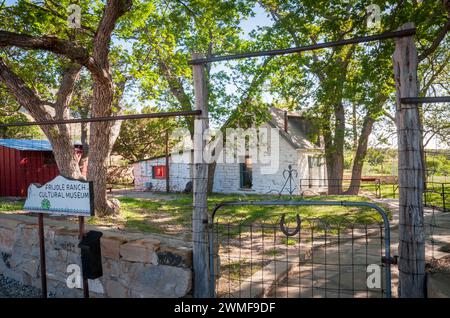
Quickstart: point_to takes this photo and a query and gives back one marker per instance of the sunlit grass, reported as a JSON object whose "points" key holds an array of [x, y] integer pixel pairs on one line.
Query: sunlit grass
{"points": [[240, 269], [9, 205], [174, 216]]}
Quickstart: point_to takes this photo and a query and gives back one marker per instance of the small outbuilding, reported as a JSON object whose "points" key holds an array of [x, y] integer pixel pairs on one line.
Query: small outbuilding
{"points": [[295, 150], [23, 162]]}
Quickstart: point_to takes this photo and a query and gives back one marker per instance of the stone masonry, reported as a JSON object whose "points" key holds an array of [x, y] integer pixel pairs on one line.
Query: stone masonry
{"points": [[134, 264]]}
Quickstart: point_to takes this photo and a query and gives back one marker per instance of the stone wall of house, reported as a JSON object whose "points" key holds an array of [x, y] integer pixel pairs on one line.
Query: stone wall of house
{"points": [[179, 173], [227, 176], [312, 181], [134, 264], [274, 182]]}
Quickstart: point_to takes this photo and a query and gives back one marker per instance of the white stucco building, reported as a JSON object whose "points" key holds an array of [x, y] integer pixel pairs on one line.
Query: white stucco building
{"points": [[247, 174]]}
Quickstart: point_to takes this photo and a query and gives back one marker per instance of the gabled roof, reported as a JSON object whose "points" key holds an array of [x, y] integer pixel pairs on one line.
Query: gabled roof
{"points": [[296, 134], [28, 145], [297, 128]]}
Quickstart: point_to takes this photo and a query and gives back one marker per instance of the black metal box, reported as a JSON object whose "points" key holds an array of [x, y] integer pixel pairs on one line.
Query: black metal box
{"points": [[91, 256]]}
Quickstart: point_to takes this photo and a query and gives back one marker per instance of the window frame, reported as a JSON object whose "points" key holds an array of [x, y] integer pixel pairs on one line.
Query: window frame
{"points": [[246, 167]]}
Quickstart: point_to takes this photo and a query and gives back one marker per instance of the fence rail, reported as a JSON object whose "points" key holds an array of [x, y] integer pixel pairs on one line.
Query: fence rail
{"points": [[436, 194]]}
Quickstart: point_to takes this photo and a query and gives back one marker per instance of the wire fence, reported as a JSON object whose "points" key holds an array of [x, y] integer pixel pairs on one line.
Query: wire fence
{"points": [[436, 194], [437, 239], [282, 253], [275, 254]]}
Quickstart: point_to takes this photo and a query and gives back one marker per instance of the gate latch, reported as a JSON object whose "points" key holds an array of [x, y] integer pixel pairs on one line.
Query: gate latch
{"points": [[392, 260]]}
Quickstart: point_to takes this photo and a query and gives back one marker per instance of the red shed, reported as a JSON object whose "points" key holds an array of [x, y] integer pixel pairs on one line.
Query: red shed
{"points": [[23, 162]]}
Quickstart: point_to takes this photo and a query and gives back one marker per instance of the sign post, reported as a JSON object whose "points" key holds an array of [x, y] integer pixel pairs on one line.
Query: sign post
{"points": [[61, 196], [42, 255], [85, 280]]}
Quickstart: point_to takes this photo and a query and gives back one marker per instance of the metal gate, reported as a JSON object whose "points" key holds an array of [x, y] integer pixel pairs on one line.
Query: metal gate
{"points": [[283, 249]]}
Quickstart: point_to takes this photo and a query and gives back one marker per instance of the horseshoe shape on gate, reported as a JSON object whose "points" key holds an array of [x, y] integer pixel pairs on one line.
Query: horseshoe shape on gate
{"points": [[283, 226]]}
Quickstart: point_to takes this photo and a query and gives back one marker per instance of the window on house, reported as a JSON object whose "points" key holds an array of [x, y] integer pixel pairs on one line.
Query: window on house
{"points": [[246, 174], [159, 172]]}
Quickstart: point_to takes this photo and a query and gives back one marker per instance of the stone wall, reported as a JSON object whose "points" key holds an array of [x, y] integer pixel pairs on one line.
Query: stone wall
{"points": [[179, 173], [134, 264]]}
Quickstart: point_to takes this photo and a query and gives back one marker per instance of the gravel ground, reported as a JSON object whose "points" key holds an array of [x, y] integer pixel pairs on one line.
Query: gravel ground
{"points": [[10, 288]]}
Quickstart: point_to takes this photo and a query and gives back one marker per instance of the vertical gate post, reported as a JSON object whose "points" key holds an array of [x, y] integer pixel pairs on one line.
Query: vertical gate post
{"points": [[411, 262], [200, 186]]}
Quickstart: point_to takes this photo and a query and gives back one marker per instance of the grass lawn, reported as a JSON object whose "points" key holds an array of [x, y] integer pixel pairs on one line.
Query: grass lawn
{"points": [[9, 205], [173, 216]]}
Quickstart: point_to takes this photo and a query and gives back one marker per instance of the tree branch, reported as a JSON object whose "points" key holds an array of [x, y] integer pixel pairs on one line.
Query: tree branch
{"points": [[440, 36], [53, 44], [64, 95], [441, 68], [23, 94], [386, 113], [175, 85], [114, 9]]}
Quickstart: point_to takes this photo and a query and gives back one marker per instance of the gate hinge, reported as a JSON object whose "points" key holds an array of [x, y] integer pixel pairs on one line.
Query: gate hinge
{"points": [[392, 261]]}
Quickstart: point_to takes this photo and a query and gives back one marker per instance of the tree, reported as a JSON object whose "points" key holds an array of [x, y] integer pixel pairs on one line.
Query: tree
{"points": [[164, 37], [325, 72], [359, 77], [41, 31], [145, 138], [10, 113]]}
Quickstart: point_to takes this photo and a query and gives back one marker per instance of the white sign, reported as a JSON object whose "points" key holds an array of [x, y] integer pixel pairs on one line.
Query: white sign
{"points": [[61, 196]]}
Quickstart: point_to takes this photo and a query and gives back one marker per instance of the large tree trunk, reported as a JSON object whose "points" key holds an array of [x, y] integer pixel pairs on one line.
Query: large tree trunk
{"points": [[411, 263], [354, 127], [335, 170], [84, 113], [334, 152], [102, 136], [65, 155], [360, 156], [102, 141]]}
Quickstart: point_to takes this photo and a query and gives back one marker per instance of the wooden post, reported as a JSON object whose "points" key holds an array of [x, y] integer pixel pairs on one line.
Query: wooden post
{"points": [[81, 235], [200, 186], [411, 263], [42, 255]]}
